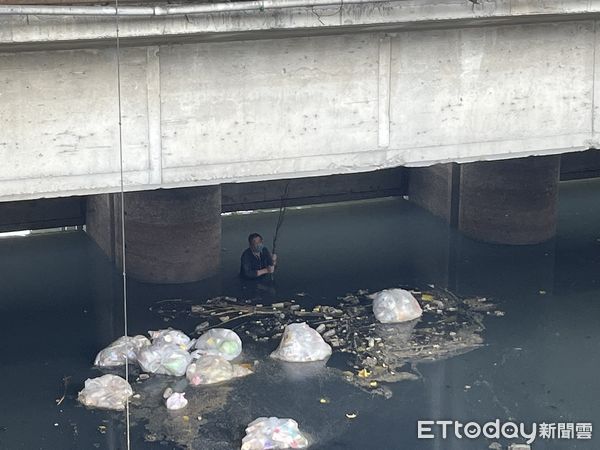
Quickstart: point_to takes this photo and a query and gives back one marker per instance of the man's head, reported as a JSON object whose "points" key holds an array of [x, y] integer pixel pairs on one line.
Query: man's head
{"points": [[255, 242]]}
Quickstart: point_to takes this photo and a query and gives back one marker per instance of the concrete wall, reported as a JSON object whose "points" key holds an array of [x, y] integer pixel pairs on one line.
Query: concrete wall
{"points": [[211, 113]]}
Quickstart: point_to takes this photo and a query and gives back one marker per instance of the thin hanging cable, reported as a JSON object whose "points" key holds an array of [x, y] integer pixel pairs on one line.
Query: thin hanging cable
{"points": [[125, 330]]}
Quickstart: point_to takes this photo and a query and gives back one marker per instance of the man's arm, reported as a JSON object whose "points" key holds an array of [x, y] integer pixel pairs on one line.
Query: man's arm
{"points": [[250, 273], [271, 261]]}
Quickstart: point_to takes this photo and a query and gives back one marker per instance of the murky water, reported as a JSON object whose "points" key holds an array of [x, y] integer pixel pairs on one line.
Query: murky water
{"points": [[60, 302]]}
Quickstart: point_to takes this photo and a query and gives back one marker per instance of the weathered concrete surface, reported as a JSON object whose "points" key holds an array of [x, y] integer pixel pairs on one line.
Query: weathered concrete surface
{"points": [[433, 188], [510, 202], [211, 113], [172, 236], [395, 15]]}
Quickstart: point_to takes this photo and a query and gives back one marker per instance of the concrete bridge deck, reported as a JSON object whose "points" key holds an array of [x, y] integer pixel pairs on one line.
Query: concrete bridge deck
{"points": [[297, 92]]}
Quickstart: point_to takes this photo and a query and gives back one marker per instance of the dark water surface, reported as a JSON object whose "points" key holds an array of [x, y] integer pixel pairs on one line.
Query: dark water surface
{"points": [[60, 302]]}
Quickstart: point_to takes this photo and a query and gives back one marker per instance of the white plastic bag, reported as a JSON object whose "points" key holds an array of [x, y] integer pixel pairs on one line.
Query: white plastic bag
{"points": [[267, 433], [395, 305], [176, 401], [125, 346], [170, 336], [300, 343], [221, 342], [210, 369], [166, 359], [106, 392]]}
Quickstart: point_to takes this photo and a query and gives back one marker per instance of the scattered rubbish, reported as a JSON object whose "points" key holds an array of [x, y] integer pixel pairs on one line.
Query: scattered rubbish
{"points": [[106, 392], [301, 343], [66, 381], [395, 305], [102, 429], [124, 348], [449, 326], [324, 401], [266, 433], [542, 292], [176, 401], [143, 376], [519, 447], [221, 342], [170, 336], [351, 415], [210, 369], [364, 373], [167, 393], [163, 358], [495, 446]]}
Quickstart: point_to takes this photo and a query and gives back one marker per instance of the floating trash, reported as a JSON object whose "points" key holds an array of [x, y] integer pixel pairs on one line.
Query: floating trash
{"points": [[396, 305], [124, 348], [176, 401], [164, 358], [211, 369], [301, 343], [266, 433], [105, 392], [170, 336], [220, 342]]}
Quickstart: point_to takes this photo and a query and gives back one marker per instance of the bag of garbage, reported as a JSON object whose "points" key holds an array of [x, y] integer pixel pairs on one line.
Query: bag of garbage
{"points": [[210, 369], [300, 343], [221, 342], [176, 401], [125, 346], [170, 336], [166, 359], [395, 305], [106, 392], [267, 433]]}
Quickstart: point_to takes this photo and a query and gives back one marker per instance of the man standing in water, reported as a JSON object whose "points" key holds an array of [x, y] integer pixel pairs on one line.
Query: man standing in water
{"points": [[257, 260]]}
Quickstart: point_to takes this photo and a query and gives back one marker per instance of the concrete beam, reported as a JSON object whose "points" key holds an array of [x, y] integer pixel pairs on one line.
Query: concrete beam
{"points": [[226, 112], [31, 32], [40, 214], [580, 165], [314, 190]]}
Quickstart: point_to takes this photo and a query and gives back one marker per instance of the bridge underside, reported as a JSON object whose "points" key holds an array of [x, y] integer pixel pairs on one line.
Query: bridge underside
{"points": [[215, 100], [207, 113]]}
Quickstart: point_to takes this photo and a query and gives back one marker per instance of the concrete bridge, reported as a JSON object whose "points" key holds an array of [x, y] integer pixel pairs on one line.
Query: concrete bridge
{"points": [[254, 91]]}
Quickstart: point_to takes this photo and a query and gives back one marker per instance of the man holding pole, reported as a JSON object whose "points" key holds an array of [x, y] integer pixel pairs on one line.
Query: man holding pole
{"points": [[257, 261]]}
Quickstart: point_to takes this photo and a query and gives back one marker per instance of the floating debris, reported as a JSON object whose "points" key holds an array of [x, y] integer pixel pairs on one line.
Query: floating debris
{"points": [[449, 326]]}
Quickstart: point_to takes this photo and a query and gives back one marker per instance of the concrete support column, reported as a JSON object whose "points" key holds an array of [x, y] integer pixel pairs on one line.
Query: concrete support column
{"points": [[507, 202], [435, 188], [510, 201], [172, 236]]}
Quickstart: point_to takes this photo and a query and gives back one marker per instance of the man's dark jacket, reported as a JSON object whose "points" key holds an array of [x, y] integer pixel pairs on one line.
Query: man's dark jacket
{"points": [[251, 263]]}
